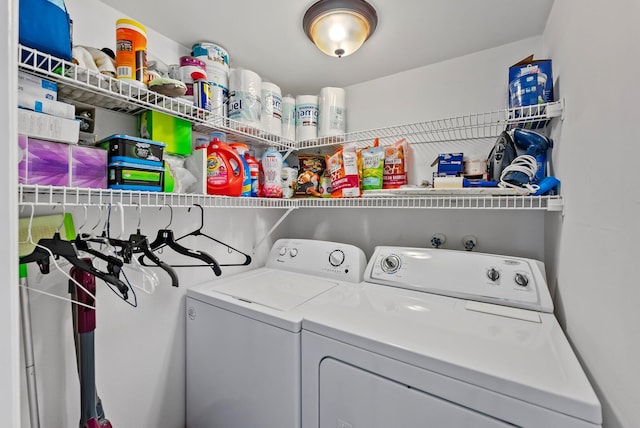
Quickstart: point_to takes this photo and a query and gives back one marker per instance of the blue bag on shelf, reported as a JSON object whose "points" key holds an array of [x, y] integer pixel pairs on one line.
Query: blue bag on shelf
{"points": [[45, 25]]}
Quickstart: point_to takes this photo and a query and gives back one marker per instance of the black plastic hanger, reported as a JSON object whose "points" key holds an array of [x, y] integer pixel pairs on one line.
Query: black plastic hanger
{"points": [[165, 238], [66, 249], [198, 232]]}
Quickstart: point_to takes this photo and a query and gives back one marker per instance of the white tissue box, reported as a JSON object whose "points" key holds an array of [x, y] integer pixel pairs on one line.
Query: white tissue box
{"points": [[47, 106], [37, 86], [47, 127]]}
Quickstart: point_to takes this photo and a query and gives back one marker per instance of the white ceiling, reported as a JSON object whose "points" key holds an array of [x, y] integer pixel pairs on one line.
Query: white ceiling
{"points": [[266, 36]]}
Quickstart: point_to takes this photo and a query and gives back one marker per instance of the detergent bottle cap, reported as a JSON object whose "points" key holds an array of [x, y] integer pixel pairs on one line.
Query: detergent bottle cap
{"points": [[218, 134]]}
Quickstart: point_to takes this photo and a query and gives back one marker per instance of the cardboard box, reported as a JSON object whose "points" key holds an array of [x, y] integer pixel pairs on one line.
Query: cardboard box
{"points": [[88, 167], [47, 127], [449, 164], [530, 82], [174, 132], [43, 162], [37, 86]]}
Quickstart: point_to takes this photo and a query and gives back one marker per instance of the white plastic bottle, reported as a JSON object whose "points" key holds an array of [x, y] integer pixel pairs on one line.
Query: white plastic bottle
{"points": [[272, 170]]}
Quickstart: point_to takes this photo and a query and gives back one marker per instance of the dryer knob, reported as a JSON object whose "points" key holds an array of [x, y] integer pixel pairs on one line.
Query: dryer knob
{"points": [[390, 264], [521, 279], [283, 251], [493, 274], [336, 258], [293, 252]]}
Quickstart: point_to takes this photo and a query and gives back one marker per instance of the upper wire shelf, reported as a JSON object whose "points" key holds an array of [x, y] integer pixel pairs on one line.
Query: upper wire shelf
{"points": [[69, 196], [90, 87], [87, 86], [487, 125]]}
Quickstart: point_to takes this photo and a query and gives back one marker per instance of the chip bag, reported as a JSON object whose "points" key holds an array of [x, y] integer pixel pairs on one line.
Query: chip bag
{"points": [[311, 169], [372, 167], [395, 164], [343, 170]]}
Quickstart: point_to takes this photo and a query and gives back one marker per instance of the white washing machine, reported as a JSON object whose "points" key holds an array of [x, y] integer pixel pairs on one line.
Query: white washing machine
{"points": [[437, 338], [244, 334]]}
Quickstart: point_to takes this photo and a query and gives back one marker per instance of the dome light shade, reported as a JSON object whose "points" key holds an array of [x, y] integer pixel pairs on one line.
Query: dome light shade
{"points": [[339, 27]]}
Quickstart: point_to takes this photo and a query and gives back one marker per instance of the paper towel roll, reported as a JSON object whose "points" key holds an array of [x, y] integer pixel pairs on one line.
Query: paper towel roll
{"points": [[219, 96], [213, 52], [289, 118], [215, 73], [306, 117], [271, 116], [332, 114], [245, 88]]}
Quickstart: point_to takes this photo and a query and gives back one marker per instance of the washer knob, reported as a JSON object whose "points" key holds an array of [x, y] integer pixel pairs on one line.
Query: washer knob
{"points": [[521, 279], [293, 252], [283, 251], [391, 264], [493, 274], [336, 258]]}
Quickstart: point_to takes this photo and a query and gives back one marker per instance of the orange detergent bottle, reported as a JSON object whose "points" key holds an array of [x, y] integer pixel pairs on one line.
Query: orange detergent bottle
{"points": [[224, 170]]}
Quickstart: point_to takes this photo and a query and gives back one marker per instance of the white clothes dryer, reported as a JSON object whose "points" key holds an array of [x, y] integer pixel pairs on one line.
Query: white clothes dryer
{"points": [[437, 338], [243, 335]]}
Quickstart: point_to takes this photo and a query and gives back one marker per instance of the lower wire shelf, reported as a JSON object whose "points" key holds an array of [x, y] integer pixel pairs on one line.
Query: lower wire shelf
{"points": [[73, 196]]}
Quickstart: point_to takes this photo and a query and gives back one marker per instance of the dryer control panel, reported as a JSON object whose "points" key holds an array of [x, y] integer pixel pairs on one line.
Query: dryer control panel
{"points": [[501, 280], [321, 258]]}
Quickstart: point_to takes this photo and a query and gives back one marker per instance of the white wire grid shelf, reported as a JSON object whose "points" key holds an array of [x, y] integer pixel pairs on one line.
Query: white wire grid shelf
{"points": [[79, 84], [70, 196], [90, 87], [479, 126]]}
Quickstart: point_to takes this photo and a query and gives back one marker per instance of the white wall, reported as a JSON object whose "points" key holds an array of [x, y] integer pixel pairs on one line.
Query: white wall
{"points": [[594, 48], [470, 84]]}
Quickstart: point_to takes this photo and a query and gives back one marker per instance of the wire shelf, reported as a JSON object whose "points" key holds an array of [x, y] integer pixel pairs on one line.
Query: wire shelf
{"points": [[90, 87], [461, 128], [70, 196], [79, 84]]}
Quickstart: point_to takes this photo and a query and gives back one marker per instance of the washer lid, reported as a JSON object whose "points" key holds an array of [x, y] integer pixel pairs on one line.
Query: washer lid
{"points": [[275, 289]]}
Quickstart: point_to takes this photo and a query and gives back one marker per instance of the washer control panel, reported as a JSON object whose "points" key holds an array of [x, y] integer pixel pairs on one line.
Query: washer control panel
{"points": [[322, 258], [502, 280]]}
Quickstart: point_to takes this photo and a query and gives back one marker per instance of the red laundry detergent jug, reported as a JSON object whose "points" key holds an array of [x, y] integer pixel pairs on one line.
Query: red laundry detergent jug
{"points": [[224, 170]]}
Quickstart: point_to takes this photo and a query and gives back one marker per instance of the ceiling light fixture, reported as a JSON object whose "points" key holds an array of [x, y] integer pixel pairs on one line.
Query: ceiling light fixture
{"points": [[339, 27]]}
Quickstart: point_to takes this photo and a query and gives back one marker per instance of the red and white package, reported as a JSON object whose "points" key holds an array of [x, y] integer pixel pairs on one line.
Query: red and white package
{"points": [[343, 170], [396, 157]]}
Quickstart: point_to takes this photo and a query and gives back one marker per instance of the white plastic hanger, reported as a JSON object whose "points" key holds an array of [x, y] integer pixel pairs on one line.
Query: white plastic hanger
{"points": [[55, 263]]}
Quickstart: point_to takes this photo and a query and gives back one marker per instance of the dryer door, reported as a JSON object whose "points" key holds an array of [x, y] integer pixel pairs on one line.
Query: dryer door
{"points": [[351, 397]]}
